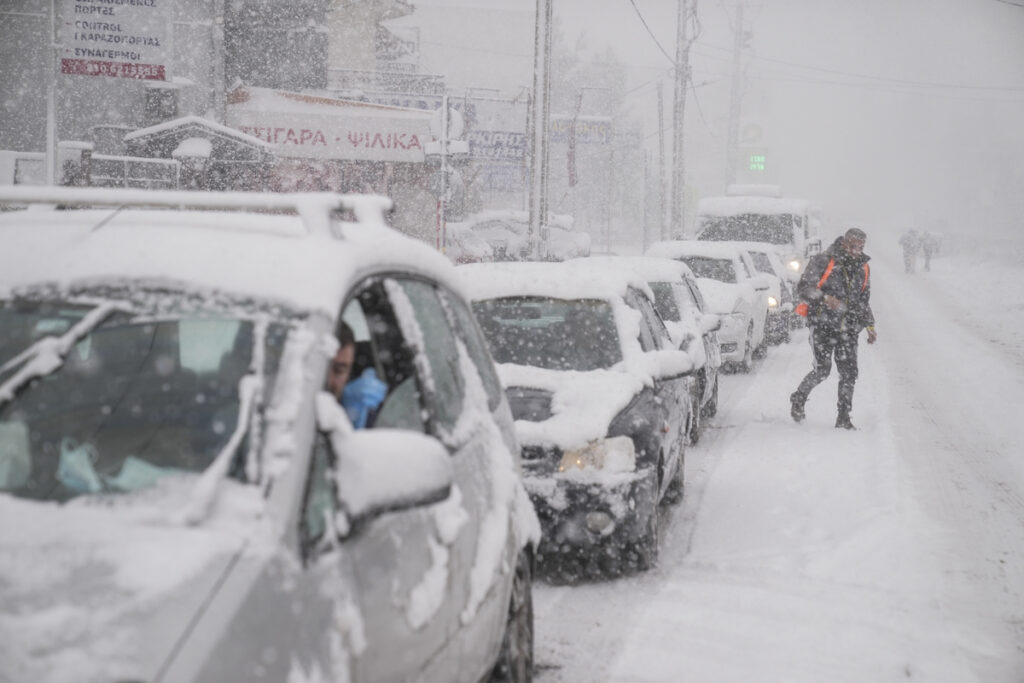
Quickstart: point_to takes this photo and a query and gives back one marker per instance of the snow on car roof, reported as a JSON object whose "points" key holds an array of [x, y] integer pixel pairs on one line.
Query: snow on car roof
{"points": [[651, 268], [735, 206], [676, 248], [577, 279], [280, 258]]}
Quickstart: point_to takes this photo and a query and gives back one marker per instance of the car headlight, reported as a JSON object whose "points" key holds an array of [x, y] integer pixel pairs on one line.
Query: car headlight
{"points": [[614, 454], [793, 265], [773, 302]]}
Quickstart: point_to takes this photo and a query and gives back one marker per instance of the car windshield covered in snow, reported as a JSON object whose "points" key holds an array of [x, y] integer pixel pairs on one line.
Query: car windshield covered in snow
{"points": [[713, 268], [554, 334], [749, 227], [102, 399]]}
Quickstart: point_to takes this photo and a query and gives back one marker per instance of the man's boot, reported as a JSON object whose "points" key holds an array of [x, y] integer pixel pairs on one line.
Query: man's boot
{"points": [[796, 406], [843, 422]]}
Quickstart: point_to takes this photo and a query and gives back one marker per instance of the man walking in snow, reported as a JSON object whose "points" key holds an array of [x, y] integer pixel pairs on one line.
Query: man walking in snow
{"points": [[836, 288]]}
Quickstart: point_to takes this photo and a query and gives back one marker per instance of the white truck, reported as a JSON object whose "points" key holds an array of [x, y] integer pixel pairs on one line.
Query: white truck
{"points": [[759, 213]]}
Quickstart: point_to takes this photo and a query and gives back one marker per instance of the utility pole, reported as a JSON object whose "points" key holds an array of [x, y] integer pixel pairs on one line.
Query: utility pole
{"points": [[662, 226], [734, 100], [52, 172], [540, 116], [682, 72]]}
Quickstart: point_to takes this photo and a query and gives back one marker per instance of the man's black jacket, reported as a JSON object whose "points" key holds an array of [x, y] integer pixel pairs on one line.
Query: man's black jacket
{"points": [[849, 282]]}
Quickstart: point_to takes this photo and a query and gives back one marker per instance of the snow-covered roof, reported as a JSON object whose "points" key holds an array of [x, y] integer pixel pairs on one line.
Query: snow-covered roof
{"points": [[304, 261], [251, 98], [651, 268], [676, 248], [516, 215], [735, 206], [577, 279], [185, 121]]}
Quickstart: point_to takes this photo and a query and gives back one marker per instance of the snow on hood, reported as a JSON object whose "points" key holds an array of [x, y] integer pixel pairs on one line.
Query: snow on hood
{"points": [[720, 297], [99, 590], [583, 404]]}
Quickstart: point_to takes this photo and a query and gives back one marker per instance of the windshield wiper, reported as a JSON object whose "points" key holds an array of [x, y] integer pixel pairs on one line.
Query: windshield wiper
{"points": [[47, 354]]}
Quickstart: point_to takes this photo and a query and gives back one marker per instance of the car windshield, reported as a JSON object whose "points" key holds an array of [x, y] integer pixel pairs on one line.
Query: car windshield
{"points": [[665, 301], [720, 269], [131, 400], [748, 227], [556, 334]]}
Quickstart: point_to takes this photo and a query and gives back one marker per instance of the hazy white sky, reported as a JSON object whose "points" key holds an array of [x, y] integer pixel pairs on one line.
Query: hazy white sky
{"points": [[886, 111]]}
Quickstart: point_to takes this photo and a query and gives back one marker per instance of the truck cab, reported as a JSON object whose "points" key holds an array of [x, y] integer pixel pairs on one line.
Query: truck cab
{"points": [[760, 213]]}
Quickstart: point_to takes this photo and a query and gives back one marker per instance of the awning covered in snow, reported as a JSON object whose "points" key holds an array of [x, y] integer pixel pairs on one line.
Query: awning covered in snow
{"points": [[314, 127]]}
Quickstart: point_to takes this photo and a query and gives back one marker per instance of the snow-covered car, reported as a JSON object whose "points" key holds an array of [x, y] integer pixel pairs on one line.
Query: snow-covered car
{"points": [[601, 403], [781, 317], [466, 246], [181, 499], [732, 288], [679, 302], [507, 233]]}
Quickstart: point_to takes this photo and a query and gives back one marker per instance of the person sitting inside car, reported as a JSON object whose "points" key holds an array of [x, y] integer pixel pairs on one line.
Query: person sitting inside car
{"points": [[362, 396]]}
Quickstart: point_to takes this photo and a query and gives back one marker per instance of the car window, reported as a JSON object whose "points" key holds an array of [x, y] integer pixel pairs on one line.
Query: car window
{"points": [[665, 300], [476, 347], [684, 297], [652, 330], [721, 269], [426, 328], [762, 262], [381, 345], [696, 294], [745, 267]]}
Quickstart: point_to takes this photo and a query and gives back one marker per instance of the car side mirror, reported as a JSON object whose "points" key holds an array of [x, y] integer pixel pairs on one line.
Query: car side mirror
{"points": [[383, 470], [710, 322], [664, 364], [761, 282]]}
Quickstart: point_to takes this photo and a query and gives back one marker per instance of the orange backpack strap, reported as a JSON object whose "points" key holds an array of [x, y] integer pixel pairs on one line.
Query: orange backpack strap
{"points": [[867, 272], [828, 271]]}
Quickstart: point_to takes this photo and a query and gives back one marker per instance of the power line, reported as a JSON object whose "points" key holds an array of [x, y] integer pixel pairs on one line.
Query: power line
{"points": [[651, 33]]}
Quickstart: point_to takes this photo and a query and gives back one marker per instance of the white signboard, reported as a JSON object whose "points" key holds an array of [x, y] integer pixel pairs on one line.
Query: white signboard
{"points": [[119, 38], [319, 136]]}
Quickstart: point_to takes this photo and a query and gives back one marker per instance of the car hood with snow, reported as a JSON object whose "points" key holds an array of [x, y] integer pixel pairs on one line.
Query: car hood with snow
{"points": [[108, 589]]}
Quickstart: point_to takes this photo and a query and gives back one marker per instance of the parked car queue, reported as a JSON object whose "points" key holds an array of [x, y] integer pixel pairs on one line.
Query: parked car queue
{"points": [[160, 402]]}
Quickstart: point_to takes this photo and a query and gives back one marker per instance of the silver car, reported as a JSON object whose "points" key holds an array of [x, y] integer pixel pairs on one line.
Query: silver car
{"points": [[180, 499]]}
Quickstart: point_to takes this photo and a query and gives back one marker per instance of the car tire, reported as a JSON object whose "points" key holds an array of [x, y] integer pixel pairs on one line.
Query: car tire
{"points": [[647, 545], [747, 364], [761, 351], [515, 659], [675, 490], [710, 409], [694, 423]]}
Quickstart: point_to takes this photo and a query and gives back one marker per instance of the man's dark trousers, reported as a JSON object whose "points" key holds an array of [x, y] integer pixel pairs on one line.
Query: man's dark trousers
{"points": [[826, 342]]}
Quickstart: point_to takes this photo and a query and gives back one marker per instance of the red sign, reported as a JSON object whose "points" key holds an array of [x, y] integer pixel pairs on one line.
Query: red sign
{"points": [[93, 67]]}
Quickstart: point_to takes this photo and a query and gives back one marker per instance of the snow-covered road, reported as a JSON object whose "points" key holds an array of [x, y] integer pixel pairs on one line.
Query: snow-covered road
{"points": [[803, 553]]}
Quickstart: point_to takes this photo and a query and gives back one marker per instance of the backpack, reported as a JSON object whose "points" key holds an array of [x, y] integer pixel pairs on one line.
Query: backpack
{"points": [[802, 308]]}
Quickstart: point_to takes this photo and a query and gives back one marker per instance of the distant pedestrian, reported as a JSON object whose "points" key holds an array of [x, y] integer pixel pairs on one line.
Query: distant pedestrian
{"points": [[836, 286], [911, 243], [929, 246]]}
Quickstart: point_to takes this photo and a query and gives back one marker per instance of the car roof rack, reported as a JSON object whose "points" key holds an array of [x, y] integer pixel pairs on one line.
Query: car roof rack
{"points": [[314, 208]]}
